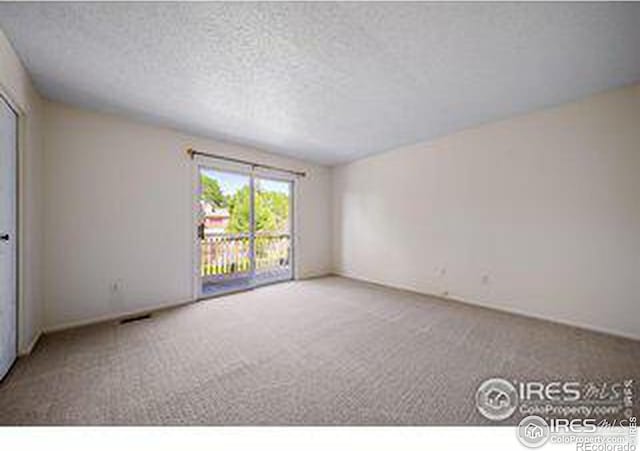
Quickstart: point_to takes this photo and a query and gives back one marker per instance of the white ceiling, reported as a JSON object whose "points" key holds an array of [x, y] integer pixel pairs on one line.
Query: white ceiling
{"points": [[325, 82]]}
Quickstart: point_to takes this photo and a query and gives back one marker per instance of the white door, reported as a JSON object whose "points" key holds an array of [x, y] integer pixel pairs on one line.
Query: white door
{"points": [[8, 243]]}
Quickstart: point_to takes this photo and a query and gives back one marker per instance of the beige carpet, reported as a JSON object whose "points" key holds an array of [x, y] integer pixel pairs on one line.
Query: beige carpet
{"points": [[325, 351]]}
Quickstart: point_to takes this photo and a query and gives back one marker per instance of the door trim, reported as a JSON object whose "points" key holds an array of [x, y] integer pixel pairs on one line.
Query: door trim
{"points": [[196, 288]]}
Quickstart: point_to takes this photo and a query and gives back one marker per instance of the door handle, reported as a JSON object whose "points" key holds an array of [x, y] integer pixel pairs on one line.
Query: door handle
{"points": [[4, 237]]}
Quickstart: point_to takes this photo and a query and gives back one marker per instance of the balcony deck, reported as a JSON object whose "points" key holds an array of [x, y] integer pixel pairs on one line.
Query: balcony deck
{"points": [[226, 260]]}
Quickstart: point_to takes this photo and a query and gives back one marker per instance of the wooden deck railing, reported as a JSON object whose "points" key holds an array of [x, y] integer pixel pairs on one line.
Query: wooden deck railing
{"points": [[229, 254], [272, 250]]}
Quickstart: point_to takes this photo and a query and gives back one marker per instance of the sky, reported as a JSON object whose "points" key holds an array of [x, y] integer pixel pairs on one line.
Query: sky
{"points": [[231, 182]]}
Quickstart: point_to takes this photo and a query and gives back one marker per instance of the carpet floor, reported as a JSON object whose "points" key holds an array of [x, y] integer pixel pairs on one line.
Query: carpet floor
{"points": [[328, 351]]}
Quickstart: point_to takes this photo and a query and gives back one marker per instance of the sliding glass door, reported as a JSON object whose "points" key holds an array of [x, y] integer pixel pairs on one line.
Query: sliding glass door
{"points": [[244, 230]]}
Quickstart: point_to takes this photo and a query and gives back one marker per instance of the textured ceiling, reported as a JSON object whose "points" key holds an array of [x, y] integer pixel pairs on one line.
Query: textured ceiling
{"points": [[323, 81]]}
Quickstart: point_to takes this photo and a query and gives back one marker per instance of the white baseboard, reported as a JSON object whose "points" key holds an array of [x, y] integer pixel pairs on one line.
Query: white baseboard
{"points": [[124, 314], [114, 316], [314, 276], [515, 311], [31, 345], [501, 308]]}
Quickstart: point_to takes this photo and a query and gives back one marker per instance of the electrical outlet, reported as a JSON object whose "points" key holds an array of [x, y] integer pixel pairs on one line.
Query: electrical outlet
{"points": [[485, 279], [116, 286]]}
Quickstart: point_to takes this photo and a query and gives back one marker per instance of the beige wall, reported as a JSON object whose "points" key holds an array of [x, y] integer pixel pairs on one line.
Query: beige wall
{"points": [[538, 214], [119, 208], [16, 85]]}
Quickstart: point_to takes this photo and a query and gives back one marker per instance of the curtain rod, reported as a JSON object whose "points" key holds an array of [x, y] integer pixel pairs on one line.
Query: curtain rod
{"points": [[193, 152]]}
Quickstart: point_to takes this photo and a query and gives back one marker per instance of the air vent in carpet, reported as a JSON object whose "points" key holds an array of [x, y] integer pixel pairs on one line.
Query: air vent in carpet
{"points": [[135, 318]]}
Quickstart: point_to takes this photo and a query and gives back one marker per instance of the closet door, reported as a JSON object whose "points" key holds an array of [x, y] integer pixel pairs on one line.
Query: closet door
{"points": [[8, 242]]}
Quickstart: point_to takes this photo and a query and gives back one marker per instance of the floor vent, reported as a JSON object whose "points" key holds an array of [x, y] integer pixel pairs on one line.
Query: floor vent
{"points": [[135, 318]]}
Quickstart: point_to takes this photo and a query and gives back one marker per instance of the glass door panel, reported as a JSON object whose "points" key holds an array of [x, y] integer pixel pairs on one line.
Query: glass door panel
{"points": [[273, 245], [225, 230]]}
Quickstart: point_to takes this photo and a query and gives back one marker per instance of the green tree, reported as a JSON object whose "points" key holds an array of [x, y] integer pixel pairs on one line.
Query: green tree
{"points": [[278, 205], [239, 211], [211, 192], [271, 211]]}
